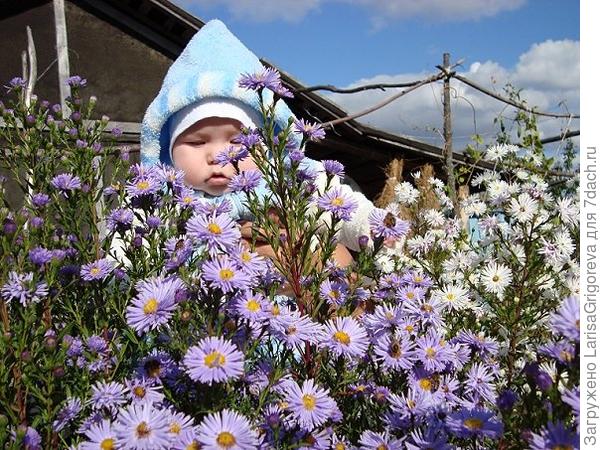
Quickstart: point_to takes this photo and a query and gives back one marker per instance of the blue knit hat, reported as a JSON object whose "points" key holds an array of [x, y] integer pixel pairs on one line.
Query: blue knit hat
{"points": [[209, 67]]}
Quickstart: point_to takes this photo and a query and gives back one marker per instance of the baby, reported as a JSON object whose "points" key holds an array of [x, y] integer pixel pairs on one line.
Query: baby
{"points": [[199, 112]]}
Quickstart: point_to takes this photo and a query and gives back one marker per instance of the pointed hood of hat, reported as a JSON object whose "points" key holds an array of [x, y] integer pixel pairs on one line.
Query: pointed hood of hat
{"points": [[209, 67]]}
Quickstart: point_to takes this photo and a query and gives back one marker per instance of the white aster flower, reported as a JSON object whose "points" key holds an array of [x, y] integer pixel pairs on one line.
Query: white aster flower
{"points": [[406, 193], [495, 277], [567, 211], [433, 218], [523, 208], [384, 263], [498, 152], [497, 191], [453, 296]]}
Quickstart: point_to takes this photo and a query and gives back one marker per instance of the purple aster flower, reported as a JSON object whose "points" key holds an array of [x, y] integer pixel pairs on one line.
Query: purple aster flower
{"points": [[479, 382], [109, 395], [155, 303], [468, 423], [413, 404], [282, 91], [562, 351], [214, 360], [345, 336], [427, 311], [76, 81], [479, 343], [386, 225], [146, 181], [22, 288], [369, 440], [333, 168], [383, 319], [572, 398], [246, 181], [566, 320], [157, 366], [268, 78], [334, 293], [429, 438], [120, 220], [66, 182], [97, 344], [179, 423], [98, 270], [294, 328], [231, 155], [16, 84], [395, 352], [100, 435], [32, 439], [555, 436], [310, 405], [252, 263], [40, 200], [178, 252], [171, 176], [226, 430], [506, 399], [432, 352], [153, 222], [187, 198], [222, 273], [40, 256], [116, 132], [310, 131], [341, 205], [141, 427], [217, 232], [250, 305], [66, 414], [417, 278], [140, 390]]}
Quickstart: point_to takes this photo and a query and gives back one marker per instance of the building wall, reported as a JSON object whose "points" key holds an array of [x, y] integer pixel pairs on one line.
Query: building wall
{"points": [[122, 71], [13, 41]]}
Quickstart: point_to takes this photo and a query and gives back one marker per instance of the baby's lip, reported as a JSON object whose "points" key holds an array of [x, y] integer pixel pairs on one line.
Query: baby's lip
{"points": [[218, 179]]}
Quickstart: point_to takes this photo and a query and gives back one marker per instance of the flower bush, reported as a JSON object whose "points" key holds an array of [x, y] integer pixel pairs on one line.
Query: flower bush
{"points": [[133, 315]]}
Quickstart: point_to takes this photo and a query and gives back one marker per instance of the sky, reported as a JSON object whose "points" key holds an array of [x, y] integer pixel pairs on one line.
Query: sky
{"points": [[532, 44]]}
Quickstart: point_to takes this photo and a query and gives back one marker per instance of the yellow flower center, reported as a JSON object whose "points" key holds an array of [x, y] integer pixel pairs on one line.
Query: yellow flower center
{"points": [[425, 384], [334, 294], [143, 185], [139, 391], [340, 446], [151, 306], [430, 353], [495, 278], [450, 296], [410, 295], [338, 201], [214, 228], [142, 430], [427, 308], [175, 428], [382, 447], [473, 423], [94, 271], [409, 328], [418, 279], [226, 439], [309, 401], [214, 359], [342, 337], [193, 446], [152, 368], [226, 274], [252, 305], [107, 444], [562, 447], [187, 199], [283, 404], [275, 310], [246, 257]]}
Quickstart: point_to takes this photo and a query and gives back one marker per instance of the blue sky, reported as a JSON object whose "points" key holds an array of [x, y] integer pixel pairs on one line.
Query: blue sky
{"points": [[533, 44]]}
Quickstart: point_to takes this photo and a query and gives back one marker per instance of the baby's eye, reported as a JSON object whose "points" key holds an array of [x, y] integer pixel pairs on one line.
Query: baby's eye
{"points": [[196, 143]]}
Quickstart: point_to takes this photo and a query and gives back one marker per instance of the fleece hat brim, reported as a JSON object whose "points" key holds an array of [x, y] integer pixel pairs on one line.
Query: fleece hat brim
{"points": [[224, 108]]}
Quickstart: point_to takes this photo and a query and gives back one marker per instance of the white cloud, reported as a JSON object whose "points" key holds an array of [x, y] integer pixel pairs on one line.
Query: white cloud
{"points": [[381, 12], [548, 74]]}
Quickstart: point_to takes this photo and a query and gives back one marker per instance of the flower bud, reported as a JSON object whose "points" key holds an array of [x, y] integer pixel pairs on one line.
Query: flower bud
{"points": [[58, 372], [363, 241], [50, 342], [186, 315], [25, 356]]}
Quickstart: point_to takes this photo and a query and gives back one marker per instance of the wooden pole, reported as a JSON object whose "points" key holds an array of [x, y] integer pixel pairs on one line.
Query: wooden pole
{"points": [[448, 161]]}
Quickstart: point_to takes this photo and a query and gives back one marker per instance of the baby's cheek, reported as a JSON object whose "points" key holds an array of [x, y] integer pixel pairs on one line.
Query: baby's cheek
{"points": [[248, 164]]}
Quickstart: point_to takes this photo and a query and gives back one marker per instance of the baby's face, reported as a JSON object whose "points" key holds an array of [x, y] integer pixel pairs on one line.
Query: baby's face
{"points": [[195, 149]]}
